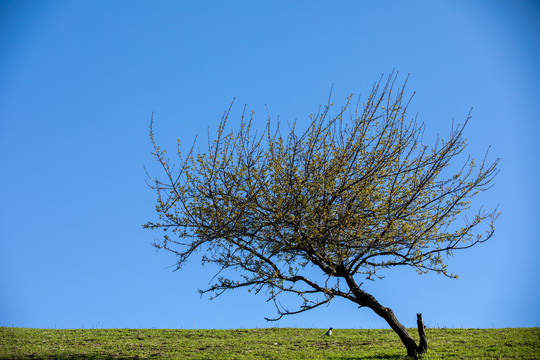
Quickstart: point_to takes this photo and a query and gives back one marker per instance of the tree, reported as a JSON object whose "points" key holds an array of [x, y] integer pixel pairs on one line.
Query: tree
{"points": [[355, 193]]}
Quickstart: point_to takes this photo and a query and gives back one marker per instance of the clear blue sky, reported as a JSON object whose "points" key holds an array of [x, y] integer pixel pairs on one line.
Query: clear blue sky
{"points": [[80, 79]]}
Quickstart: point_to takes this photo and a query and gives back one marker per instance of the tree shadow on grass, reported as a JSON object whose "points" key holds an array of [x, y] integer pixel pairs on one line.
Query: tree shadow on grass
{"points": [[71, 357], [368, 357], [117, 357]]}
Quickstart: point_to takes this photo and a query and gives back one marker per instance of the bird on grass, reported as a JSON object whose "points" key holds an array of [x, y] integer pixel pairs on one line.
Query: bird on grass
{"points": [[329, 332]]}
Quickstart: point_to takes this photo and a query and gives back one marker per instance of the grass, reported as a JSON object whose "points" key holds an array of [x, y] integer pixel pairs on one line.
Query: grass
{"points": [[270, 343]]}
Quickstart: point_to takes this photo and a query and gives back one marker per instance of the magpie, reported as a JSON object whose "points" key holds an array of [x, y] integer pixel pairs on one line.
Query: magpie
{"points": [[329, 332]]}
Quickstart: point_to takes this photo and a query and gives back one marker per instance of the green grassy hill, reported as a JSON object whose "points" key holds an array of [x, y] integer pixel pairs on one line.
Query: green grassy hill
{"points": [[271, 343]]}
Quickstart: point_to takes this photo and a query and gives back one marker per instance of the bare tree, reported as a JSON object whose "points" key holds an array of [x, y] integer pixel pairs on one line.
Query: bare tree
{"points": [[355, 193]]}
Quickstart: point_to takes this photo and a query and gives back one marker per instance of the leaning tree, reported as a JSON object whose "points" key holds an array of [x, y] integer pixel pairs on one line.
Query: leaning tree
{"points": [[356, 192]]}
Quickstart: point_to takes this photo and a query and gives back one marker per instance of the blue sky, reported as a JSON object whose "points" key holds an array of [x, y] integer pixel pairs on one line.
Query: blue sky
{"points": [[80, 79]]}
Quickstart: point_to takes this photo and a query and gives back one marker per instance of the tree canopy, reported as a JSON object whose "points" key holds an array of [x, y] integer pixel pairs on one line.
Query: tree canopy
{"points": [[356, 192]]}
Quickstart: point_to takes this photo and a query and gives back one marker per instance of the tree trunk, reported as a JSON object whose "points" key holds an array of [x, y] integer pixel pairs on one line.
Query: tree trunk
{"points": [[412, 349], [422, 347], [367, 300]]}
